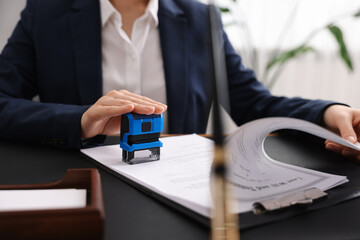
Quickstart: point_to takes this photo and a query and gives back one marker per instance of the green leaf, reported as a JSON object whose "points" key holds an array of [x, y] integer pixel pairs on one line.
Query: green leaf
{"points": [[337, 33], [288, 55], [224, 9], [357, 14]]}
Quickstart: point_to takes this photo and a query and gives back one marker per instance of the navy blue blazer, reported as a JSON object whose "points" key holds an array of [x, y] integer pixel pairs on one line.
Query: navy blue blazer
{"points": [[55, 52]]}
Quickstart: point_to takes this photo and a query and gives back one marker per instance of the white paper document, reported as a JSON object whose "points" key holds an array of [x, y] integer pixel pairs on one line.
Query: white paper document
{"points": [[183, 172], [41, 199]]}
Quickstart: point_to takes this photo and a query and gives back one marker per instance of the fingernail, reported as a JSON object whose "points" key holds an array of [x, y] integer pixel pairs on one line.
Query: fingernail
{"points": [[351, 139]]}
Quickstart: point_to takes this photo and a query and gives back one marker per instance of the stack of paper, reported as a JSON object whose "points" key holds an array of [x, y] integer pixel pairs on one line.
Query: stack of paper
{"points": [[183, 172]]}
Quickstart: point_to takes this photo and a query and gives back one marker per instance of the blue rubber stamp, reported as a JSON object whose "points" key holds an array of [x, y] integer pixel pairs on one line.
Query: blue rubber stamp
{"points": [[139, 137]]}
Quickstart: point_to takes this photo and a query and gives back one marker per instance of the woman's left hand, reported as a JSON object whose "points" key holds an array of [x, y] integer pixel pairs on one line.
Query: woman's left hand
{"points": [[344, 121]]}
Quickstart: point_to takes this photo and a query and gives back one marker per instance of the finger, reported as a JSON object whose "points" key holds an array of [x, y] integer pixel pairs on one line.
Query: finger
{"points": [[352, 154], [348, 152], [157, 107], [138, 108], [102, 112], [109, 101], [138, 99], [344, 151], [143, 98], [146, 109], [347, 130], [334, 147]]}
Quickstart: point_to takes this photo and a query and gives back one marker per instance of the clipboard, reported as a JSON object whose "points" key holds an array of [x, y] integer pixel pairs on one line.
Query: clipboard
{"points": [[74, 223], [316, 157]]}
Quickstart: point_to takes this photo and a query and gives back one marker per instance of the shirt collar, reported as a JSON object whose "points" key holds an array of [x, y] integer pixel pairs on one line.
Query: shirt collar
{"points": [[153, 8], [107, 10]]}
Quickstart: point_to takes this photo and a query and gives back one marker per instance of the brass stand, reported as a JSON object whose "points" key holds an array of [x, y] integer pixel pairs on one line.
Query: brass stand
{"points": [[224, 224]]}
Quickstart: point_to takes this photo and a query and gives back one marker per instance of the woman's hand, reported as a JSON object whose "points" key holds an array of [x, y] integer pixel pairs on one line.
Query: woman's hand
{"points": [[104, 116], [344, 121]]}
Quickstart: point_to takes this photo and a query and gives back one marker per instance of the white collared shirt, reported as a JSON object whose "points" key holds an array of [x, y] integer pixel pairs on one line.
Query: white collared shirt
{"points": [[135, 63]]}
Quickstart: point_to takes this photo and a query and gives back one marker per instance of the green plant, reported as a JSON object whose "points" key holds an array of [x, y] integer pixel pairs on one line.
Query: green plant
{"points": [[279, 58]]}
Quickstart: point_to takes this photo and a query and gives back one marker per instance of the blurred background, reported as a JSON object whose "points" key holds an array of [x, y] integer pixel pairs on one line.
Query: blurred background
{"points": [[9, 15], [261, 30]]}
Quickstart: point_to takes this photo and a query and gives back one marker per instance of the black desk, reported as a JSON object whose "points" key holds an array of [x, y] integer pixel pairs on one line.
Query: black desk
{"points": [[131, 214]]}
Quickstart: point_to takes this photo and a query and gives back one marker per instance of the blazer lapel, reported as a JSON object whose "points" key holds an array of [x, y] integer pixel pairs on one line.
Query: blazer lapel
{"points": [[86, 36], [172, 27]]}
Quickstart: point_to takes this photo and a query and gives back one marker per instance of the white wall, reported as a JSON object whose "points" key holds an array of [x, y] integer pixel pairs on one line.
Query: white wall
{"points": [[315, 75], [9, 15]]}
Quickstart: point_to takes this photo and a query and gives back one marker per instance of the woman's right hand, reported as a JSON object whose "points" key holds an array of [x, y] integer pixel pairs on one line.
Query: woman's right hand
{"points": [[103, 118]]}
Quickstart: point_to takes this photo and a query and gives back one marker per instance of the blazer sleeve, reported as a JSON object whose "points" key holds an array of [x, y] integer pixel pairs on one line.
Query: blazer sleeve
{"points": [[21, 118]]}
